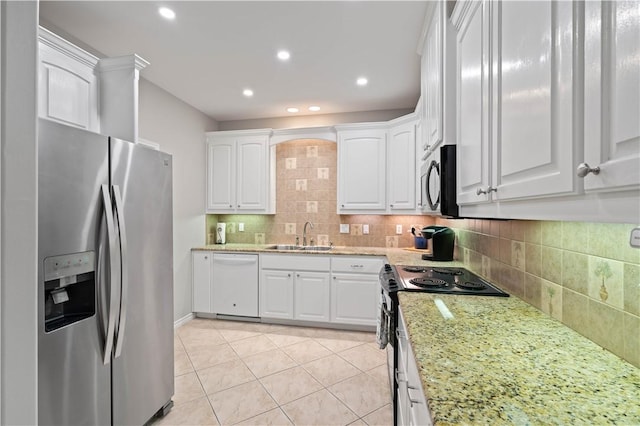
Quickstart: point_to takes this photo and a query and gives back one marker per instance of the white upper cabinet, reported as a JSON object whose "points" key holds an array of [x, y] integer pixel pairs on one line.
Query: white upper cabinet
{"points": [[472, 46], [532, 110], [431, 77], [402, 166], [362, 163], [68, 86], [238, 172], [612, 94]]}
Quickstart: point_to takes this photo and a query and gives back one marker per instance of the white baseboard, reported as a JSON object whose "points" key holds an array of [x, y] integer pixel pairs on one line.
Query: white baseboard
{"points": [[182, 321]]}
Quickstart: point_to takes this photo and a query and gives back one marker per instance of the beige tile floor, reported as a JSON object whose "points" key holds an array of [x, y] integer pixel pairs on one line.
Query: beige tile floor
{"points": [[230, 372]]}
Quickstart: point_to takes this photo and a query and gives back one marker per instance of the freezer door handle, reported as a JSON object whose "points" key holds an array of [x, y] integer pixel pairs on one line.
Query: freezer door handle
{"points": [[111, 244], [124, 281]]}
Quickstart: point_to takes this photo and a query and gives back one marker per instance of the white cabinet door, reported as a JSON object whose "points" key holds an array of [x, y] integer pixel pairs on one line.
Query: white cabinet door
{"points": [[532, 109], [252, 173], [276, 294], [312, 296], [354, 298], [221, 188], [473, 101], [68, 85], [238, 168], [432, 81], [361, 170], [612, 94], [235, 284], [201, 272], [402, 167]]}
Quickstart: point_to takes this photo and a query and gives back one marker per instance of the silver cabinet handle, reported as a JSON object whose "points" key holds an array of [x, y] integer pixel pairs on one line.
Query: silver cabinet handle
{"points": [[124, 280], [584, 169], [397, 374], [489, 190], [288, 275], [391, 205], [111, 242], [230, 206], [357, 266]]}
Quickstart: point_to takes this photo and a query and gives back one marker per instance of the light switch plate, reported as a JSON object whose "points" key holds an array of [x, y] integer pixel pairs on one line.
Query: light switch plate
{"points": [[365, 228], [344, 228], [634, 240], [240, 227], [398, 229]]}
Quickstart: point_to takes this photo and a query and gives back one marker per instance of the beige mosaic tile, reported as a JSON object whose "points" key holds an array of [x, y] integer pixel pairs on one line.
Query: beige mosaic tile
{"points": [[224, 376], [533, 290], [551, 299], [606, 281], [632, 288], [533, 258], [518, 255], [320, 408], [275, 417], [187, 388], [241, 402], [551, 234], [349, 391], [551, 269], [603, 319], [631, 339], [289, 385], [533, 232], [331, 369], [196, 412], [575, 271], [575, 311], [575, 236]]}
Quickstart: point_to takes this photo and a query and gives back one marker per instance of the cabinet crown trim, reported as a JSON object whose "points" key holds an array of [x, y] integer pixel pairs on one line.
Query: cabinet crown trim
{"points": [[430, 10], [284, 135], [233, 133], [66, 48], [381, 125], [123, 62]]}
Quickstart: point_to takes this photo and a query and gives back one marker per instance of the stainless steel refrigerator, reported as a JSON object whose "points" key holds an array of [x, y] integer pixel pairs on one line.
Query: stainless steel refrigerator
{"points": [[105, 281]]}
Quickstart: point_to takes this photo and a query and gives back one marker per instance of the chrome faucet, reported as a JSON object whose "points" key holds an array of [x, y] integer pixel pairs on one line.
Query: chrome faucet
{"points": [[304, 232]]}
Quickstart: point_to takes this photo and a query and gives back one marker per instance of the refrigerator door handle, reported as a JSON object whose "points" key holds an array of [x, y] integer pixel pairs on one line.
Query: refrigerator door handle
{"points": [[124, 281], [111, 311]]}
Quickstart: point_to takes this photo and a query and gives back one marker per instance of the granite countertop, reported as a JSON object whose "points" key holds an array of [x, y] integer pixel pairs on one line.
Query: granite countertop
{"points": [[336, 250], [501, 361]]}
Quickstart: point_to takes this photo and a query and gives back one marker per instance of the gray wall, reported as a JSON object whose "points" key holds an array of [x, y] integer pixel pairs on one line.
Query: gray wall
{"points": [[179, 129], [316, 120], [18, 217]]}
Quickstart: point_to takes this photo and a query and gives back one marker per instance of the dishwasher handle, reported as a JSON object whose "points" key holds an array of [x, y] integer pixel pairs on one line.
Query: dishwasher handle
{"points": [[235, 260]]}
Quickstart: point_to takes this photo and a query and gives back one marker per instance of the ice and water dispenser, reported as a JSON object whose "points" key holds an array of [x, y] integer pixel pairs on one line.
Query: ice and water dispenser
{"points": [[69, 289]]}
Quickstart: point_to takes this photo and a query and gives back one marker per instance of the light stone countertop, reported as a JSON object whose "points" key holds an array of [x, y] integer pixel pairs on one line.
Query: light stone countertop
{"points": [[500, 360]]}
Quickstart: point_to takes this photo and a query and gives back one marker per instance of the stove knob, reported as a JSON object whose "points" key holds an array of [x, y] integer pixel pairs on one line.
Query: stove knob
{"points": [[387, 268], [392, 283]]}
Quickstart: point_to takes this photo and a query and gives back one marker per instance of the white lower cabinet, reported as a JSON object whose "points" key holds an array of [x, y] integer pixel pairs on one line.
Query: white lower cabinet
{"points": [[412, 406], [201, 273], [276, 294], [355, 289], [295, 287], [312, 298], [336, 289]]}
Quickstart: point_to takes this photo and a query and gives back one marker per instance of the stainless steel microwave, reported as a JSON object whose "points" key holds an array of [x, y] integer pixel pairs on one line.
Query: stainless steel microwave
{"points": [[438, 183]]}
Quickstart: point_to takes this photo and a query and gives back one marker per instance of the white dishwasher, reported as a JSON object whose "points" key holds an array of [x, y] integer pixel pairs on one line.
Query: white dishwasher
{"points": [[235, 284]]}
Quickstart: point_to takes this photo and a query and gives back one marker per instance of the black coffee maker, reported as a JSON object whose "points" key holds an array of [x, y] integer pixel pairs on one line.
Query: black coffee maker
{"points": [[440, 239]]}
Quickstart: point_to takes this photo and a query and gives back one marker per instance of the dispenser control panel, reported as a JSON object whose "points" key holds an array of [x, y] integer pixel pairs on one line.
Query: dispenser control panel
{"points": [[68, 265]]}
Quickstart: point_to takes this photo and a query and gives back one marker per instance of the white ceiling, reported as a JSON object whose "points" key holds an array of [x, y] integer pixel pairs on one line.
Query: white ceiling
{"points": [[214, 49]]}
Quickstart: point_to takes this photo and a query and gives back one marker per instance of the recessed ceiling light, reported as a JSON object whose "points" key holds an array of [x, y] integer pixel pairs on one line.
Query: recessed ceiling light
{"points": [[283, 55], [314, 108], [292, 109], [247, 92], [167, 13], [362, 81]]}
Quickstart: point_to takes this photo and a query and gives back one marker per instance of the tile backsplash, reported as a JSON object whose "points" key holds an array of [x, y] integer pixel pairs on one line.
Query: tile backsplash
{"points": [[583, 274]]}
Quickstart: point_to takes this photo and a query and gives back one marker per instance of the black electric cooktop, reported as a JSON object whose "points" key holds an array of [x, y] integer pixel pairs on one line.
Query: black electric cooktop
{"points": [[443, 280]]}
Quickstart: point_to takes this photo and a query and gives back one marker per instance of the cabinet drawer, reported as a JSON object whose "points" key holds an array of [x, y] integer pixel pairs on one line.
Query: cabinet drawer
{"points": [[295, 263], [362, 264]]}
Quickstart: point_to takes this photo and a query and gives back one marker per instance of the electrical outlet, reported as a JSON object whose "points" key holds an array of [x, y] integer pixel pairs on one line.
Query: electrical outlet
{"points": [[634, 240], [344, 228], [365, 229], [398, 229], [240, 227]]}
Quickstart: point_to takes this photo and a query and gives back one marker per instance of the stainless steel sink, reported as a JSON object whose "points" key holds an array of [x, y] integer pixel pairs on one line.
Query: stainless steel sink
{"points": [[298, 248]]}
